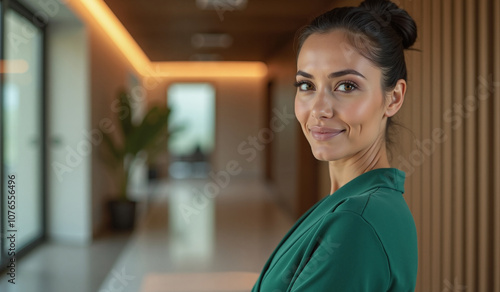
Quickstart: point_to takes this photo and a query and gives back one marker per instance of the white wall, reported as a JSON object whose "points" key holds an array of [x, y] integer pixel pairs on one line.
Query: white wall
{"points": [[110, 72], [239, 121], [69, 195]]}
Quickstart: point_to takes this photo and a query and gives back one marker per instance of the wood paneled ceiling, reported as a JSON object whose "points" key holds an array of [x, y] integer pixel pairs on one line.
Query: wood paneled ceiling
{"points": [[164, 28]]}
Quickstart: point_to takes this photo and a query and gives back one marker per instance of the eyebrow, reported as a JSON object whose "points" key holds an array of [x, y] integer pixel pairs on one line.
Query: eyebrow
{"points": [[334, 74]]}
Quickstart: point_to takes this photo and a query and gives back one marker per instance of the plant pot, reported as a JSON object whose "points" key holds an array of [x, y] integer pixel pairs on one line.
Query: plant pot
{"points": [[122, 214]]}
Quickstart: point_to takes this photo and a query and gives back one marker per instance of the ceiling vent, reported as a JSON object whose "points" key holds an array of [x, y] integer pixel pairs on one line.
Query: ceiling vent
{"points": [[211, 40], [221, 5]]}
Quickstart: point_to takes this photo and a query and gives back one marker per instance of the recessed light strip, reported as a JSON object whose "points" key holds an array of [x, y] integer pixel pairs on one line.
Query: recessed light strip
{"points": [[96, 11], [209, 69]]}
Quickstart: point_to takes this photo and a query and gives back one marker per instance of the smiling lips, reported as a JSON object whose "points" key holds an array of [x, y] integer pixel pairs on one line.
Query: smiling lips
{"points": [[324, 134]]}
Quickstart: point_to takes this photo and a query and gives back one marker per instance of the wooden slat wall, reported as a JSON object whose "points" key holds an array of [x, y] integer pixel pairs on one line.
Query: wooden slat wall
{"points": [[447, 151], [484, 189], [496, 145], [470, 131], [425, 124], [435, 167], [453, 186], [458, 144], [416, 110]]}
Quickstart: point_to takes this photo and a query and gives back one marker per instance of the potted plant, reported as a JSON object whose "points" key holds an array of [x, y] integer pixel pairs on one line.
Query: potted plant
{"points": [[147, 138]]}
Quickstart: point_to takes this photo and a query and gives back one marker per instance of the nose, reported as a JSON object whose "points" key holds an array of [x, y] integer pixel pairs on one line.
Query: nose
{"points": [[323, 106]]}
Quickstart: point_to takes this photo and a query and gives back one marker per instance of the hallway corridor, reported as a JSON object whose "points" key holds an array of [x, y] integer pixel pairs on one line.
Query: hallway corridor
{"points": [[178, 245]]}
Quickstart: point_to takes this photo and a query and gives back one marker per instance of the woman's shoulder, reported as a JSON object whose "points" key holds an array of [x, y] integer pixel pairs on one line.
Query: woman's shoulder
{"points": [[379, 218], [382, 210], [377, 204]]}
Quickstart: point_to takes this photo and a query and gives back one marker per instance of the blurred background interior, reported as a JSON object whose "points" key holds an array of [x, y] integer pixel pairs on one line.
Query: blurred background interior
{"points": [[216, 181]]}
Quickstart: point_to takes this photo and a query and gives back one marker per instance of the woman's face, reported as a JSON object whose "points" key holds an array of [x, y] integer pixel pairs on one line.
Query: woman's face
{"points": [[339, 103]]}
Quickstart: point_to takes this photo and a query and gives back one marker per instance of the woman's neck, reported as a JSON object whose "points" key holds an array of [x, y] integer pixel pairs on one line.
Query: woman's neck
{"points": [[345, 170]]}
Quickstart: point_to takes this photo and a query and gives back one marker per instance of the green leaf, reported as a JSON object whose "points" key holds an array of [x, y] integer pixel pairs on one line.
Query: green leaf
{"points": [[125, 114], [150, 135], [154, 123], [115, 151]]}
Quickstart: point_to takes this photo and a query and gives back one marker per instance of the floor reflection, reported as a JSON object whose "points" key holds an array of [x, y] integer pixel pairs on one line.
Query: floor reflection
{"points": [[191, 230], [188, 237], [222, 247]]}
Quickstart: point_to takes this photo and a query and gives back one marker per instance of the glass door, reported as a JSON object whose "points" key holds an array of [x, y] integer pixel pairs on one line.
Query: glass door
{"points": [[22, 131]]}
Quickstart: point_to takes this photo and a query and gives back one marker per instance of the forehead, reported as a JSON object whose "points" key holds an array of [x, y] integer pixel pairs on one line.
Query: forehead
{"points": [[331, 52]]}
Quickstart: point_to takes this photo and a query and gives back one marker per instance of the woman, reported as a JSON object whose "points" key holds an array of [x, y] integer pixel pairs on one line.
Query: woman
{"points": [[351, 80]]}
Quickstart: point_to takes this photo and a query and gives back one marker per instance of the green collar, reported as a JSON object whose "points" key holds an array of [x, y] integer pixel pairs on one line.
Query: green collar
{"points": [[392, 178]]}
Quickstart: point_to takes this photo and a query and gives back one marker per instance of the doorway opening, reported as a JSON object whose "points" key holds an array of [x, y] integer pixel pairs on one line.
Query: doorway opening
{"points": [[193, 113]]}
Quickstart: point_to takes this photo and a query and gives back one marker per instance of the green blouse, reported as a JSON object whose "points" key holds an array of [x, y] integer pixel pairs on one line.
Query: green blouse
{"points": [[360, 238]]}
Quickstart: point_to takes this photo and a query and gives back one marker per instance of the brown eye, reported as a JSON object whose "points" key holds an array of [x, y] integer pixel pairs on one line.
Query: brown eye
{"points": [[304, 86], [346, 87]]}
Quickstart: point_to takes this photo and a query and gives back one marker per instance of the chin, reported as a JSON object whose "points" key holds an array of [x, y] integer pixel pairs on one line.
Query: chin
{"points": [[324, 155]]}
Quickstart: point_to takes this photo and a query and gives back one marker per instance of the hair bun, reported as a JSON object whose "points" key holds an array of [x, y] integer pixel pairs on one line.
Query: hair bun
{"points": [[399, 19]]}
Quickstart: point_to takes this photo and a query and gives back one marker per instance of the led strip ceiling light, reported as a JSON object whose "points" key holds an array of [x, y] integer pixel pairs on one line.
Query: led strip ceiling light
{"points": [[96, 11], [223, 5]]}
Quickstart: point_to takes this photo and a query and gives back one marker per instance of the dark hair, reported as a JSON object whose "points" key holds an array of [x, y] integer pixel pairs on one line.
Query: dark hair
{"points": [[378, 29]]}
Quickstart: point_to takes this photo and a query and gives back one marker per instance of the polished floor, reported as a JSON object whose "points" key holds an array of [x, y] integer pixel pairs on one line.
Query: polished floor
{"points": [[185, 241]]}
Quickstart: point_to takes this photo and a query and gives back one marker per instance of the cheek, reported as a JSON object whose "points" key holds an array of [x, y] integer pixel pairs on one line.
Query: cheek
{"points": [[361, 112], [301, 111]]}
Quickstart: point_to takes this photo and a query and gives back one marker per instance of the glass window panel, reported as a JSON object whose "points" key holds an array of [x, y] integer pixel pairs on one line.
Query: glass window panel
{"points": [[22, 104], [193, 109], [193, 112]]}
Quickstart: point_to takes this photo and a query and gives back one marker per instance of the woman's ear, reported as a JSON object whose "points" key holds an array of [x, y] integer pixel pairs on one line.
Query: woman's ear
{"points": [[396, 98]]}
